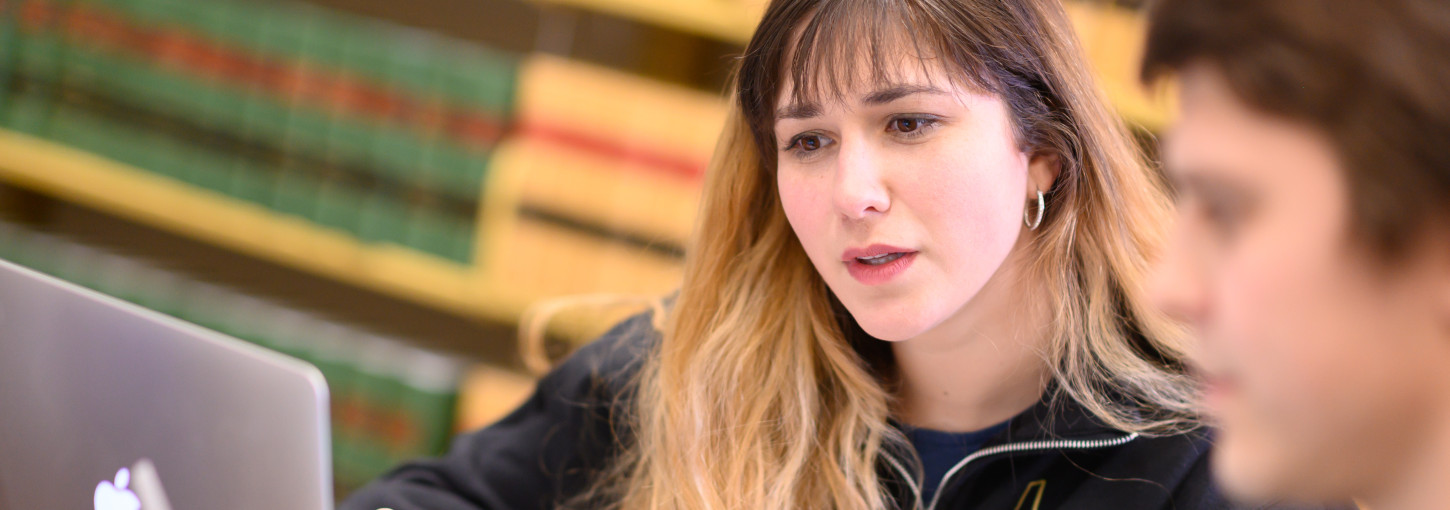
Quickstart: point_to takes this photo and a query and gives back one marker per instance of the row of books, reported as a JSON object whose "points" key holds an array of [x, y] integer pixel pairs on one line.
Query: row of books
{"points": [[370, 128], [391, 401]]}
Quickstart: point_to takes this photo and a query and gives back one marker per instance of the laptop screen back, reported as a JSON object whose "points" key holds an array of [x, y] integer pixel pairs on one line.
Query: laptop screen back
{"points": [[91, 384]]}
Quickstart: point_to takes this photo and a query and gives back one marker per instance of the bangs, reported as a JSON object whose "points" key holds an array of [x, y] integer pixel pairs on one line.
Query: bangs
{"points": [[847, 45], [822, 50]]}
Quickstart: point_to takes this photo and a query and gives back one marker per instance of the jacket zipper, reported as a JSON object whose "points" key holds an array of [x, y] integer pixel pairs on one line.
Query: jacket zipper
{"points": [[1054, 444]]}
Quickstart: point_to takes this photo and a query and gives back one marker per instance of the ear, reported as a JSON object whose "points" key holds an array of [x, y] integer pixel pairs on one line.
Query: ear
{"points": [[1428, 268], [1442, 276], [1042, 172]]}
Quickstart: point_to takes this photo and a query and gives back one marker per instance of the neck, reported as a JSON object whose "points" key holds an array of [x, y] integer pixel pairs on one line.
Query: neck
{"points": [[981, 366]]}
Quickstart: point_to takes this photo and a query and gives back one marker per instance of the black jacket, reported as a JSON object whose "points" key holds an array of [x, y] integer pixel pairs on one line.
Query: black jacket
{"points": [[1049, 457]]}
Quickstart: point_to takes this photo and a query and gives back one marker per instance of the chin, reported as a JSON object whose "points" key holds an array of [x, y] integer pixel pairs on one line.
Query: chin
{"points": [[888, 332], [891, 324], [1239, 480], [1257, 475]]}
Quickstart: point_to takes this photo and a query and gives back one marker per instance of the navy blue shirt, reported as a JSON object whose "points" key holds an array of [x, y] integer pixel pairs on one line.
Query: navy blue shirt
{"points": [[939, 451]]}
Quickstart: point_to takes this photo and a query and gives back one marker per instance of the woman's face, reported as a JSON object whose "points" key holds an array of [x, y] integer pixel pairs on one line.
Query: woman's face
{"points": [[907, 197], [1323, 365]]}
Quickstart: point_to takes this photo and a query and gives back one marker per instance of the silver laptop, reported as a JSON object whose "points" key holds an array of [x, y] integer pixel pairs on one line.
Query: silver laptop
{"points": [[108, 406]]}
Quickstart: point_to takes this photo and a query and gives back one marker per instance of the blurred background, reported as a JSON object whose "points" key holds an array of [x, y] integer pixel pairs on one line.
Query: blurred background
{"points": [[384, 188]]}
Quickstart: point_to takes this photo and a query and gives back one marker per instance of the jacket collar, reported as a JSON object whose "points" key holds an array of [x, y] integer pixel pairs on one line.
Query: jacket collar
{"points": [[1054, 416]]}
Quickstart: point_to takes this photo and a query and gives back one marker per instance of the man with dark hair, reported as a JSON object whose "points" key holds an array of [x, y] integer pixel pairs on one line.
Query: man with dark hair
{"points": [[1311, 162]]}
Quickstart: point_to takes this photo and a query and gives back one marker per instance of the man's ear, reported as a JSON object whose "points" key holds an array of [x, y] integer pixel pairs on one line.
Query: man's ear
{"points": [[1442, 286]]}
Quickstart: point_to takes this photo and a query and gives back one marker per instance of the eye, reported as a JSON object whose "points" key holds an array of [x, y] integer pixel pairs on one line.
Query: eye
{"points": [[910, 126], [905, 125], [1225, 213], [806, 142], [1224, 216], [809, 143]]}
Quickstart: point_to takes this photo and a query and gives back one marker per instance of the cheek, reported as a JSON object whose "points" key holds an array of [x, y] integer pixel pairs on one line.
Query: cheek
{"points": [[1324, 399], [805, 202], [1308, 343], [1269, 311], [971, 202], [1277, 297], [1289, 380]]}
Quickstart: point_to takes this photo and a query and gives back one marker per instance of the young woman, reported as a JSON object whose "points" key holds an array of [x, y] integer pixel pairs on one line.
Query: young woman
{"points": [[915, 284], [1312, 252]]}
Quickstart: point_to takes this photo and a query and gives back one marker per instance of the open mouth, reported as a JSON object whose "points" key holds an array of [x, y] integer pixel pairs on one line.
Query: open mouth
{"points": [[885, 258], [881, 268]]}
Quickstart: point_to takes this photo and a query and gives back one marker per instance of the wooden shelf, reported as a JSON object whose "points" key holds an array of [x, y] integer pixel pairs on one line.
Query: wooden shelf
{"points": [[115, 188], [726, 20]]}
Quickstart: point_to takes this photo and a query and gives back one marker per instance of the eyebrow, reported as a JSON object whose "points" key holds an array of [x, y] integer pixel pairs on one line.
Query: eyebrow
{"points": [[879, 97], [798, 111], [893, 93], [1197, 182]]}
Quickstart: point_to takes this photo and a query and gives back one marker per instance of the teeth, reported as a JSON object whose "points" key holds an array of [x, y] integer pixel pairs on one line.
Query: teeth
{"points": [[879, 259]]}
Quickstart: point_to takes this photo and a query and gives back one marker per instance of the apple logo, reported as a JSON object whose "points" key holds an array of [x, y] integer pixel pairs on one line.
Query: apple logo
{"points": [[116, 496]]}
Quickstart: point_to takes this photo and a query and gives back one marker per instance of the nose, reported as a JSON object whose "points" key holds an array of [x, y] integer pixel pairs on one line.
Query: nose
{"points": [[860, 188], [1177, 283]]}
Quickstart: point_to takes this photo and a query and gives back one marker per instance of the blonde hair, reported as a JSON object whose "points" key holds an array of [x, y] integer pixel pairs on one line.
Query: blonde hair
{"points": [[760, 394]]}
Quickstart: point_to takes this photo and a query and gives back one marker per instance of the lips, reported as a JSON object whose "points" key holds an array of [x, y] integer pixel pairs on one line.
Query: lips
{"points": [[880, 259], [873, 251], [878, 263], [1217, 386]]}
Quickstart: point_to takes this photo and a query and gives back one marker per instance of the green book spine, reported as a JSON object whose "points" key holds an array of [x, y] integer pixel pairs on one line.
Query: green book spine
{"points": [[37, 63], [251, 180], [481, 80], [340, 205], [9, 240], [429, 403], [38, 27], [332, 351], [211, 167], [9, 44], [377, 398], [295, 190]]}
